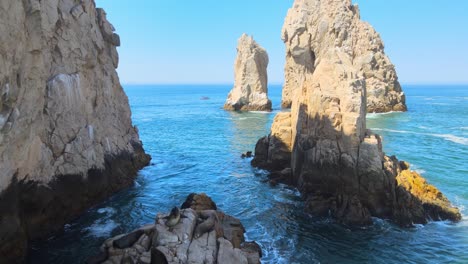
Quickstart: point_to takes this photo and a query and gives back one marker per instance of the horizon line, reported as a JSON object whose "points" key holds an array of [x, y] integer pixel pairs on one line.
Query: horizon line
{"points": [[275, 83]]}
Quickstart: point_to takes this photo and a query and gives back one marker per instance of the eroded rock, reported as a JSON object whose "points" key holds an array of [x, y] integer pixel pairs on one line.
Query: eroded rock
{"points": [[203, 236], [66, 136], [312, 28], [250, 92], [336, 162]]}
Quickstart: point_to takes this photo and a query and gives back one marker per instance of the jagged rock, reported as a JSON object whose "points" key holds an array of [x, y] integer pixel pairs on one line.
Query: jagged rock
{"points": [[313, 27], [66, 136], [199, 202], [250, 92], [335, 161], [192, 240]]}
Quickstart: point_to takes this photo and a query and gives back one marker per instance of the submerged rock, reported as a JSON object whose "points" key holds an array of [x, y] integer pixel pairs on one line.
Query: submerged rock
{"points": [[66, 137], [313, 28], [323, 142], [201, 236], [250, 92]]}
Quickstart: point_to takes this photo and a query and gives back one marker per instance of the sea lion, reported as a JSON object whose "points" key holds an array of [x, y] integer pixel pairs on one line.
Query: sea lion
{"points": [[209, 219], [173, 218]]}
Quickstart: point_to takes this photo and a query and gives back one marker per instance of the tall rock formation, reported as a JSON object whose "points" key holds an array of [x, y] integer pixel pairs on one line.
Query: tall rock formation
{"points": [[66, 137], [323, 147], [250, 92], [311, 28]]}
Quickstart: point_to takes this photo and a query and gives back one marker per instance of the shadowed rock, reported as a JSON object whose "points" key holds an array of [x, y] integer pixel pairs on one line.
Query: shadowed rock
{"points": [[323, 143], [66, 137]]}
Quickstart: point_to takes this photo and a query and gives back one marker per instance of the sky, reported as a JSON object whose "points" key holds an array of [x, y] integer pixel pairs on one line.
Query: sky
{"points": [[194, 42]]}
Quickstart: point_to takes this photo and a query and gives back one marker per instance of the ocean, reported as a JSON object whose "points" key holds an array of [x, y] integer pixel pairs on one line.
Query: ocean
{"points": [[196, 147]]}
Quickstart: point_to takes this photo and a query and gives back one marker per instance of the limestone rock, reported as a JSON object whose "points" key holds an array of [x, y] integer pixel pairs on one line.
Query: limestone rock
{"points": [[66, 136], [334, 160], [313, 27], [250, 92], [224, 243]]}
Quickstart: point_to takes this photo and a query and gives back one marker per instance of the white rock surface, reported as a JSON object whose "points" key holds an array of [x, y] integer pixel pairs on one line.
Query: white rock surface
{"points": [[250, 92], [314, 27]]}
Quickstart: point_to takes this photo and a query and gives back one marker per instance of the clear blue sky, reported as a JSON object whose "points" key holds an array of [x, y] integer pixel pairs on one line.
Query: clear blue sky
{"points": [[167, 41]]}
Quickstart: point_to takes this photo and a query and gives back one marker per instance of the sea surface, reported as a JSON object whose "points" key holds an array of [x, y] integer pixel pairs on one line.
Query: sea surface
{"points": [[196, 147]]}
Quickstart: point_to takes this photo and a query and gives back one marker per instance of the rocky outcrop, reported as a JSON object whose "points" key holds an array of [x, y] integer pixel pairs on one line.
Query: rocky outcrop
{"points": [[221, 239], [250, 92], [66, 137], [323, 147], [313, 27]]}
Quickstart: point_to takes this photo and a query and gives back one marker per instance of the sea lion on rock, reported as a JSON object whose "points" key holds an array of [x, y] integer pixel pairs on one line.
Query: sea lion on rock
{"points": [[209, 220], [173, 218]]}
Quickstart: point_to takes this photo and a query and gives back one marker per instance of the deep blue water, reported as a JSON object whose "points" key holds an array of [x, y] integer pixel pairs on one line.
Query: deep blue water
{"points": [[196, 147]]}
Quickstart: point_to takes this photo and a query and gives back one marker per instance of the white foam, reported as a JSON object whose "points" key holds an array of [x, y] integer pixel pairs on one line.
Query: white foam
{"points": [[99, 229], [106, 210], [448, 137]]}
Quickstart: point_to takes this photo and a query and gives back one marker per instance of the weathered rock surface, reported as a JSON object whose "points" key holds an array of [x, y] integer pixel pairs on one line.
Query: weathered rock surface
{"points": [[313, 27], [66, 137], [157, 243], [250, 92], [323, 147]]}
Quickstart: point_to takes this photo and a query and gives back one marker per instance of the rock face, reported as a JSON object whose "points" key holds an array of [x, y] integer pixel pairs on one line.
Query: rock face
{"points": [[66, 137], [221, 241], [313, 27], [323, 147], [250, 92]]}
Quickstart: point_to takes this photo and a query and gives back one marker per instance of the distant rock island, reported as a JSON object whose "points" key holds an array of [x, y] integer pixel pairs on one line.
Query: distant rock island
{"points": [[323, 146], [66, 137], [250, 92], [313, 28]]}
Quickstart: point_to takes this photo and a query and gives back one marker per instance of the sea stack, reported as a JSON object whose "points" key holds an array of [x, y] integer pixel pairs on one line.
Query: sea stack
{"points": [[250, 92], [66, 137], [323, 147], [312, 28]]}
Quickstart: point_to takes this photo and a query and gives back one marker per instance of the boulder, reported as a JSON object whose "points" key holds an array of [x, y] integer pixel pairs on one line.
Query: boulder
{"points": [[250, 91]]}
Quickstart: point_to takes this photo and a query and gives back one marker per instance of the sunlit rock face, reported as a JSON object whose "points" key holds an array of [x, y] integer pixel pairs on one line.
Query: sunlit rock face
{"points": [[313, 27], [323, 147], [250, 91], [66, 137]]}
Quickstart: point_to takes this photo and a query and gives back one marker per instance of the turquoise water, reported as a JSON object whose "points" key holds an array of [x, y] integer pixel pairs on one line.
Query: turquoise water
{"points": [[196, 147]]}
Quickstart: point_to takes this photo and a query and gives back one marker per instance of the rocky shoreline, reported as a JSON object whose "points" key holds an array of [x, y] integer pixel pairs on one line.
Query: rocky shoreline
{"points": [[201, 234]]}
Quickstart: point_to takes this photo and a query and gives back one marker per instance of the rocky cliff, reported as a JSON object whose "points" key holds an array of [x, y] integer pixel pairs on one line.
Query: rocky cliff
{"points": [[313, 27], [250, 92], [323, 147], [66, 137]]}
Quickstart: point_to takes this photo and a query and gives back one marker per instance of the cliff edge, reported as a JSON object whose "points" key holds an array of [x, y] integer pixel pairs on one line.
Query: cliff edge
{"points": [[313, 27], [66, 136]]}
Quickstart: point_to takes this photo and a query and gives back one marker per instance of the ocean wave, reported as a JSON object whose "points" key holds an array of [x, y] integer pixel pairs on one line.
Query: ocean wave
{"points": [[261, 112], [106, 210], [376, 115], [101, 228], [448, 137]]}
